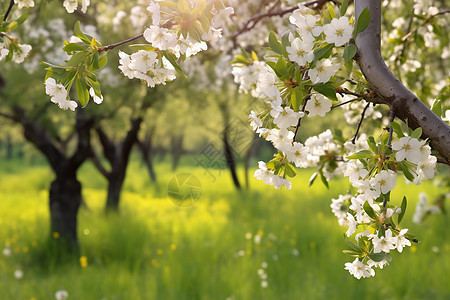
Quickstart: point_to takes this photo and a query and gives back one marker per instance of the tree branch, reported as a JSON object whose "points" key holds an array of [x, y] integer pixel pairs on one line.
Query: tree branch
{"points": [[11, 4], [389, 89], [251, 23], [98, 164]]}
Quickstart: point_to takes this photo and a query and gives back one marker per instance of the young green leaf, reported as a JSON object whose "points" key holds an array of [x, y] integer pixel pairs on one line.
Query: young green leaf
{"points": [[353, 245], [172, 59], [417, 133], [343, 8], [369, 210], [361, 154], [313, 178], [397, 129], [363, 22], [327, 90], [436, 107], [274, 44], [82, 91], [403, 208], [349, 52]]}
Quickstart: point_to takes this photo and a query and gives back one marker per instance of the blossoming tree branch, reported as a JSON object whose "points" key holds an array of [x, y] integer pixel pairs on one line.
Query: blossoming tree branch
{"points": [[319, 58]]}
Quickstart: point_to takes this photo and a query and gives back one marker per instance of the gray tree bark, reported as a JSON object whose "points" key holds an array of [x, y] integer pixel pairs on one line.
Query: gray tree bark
{"points": [[390, 90]]}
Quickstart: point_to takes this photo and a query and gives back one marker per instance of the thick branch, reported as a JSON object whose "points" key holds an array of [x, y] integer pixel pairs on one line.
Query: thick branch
{"points": [[389, 89]]}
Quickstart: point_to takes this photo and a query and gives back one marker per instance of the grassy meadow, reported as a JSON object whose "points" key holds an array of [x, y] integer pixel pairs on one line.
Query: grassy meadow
{"points": [[257, 244]]}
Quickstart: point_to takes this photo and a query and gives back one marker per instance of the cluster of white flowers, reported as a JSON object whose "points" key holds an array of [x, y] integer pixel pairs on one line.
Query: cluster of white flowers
{"points": [[423, 209], [372, 194], [72, 5], [418, 153], [24, 3], [278, 121], [147, 66], [10, 45], [59, 94], [151, 66]]}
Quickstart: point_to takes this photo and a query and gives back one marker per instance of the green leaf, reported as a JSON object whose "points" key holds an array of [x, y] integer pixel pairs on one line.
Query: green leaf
{"points": [[353, 245], [436, 107], [349, 52], [172, 59], [404, 167], [77, 58], [351, 253], [324, 179], [82, 91], [297, 98], [103, 60], [95, 61], [146, 47], [323, 52], [397, 129], [403, 208], [274, 44], [289, 170], [417, 133], [361, 154], [78, 33], [71, 47], [363, 22], [377, 257], [372, 144], [313, 178], [22, 18], [327, 90], [343, 8], [369, 210], [331, 12]]}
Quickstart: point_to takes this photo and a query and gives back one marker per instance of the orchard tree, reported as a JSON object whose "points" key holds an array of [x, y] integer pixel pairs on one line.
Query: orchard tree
{"points": [[318, 58]]}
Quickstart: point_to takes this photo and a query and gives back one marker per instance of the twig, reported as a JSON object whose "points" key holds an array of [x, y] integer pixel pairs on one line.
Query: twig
{"points": [[346, 102], [391, 130], [112, 46], [428, 20], [11, 4], [360, 122], [300, 119], [258, 17]]}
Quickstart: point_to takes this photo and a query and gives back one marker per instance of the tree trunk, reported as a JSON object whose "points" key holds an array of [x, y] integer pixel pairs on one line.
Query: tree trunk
{"points": [[230, 160], [115, 184], [247, 158], [177, 149], [65, 199]]}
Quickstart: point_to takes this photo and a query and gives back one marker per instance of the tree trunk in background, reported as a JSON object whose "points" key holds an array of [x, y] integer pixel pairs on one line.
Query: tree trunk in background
{"points": [[118, 156], [248, 155], [230, 159], [65, 190], [65, 200], [115, 184], [147, 156], [9, 147], [177, 150]]}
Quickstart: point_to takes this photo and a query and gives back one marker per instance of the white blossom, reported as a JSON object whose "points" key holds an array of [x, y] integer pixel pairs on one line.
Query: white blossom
{"points": [[359, 269], [318, 105], [24, 3], [300, 51], [323, 71], [384, 181], [285, 117], [384, 243], [408, 148], [338, 31], [298, 154]]}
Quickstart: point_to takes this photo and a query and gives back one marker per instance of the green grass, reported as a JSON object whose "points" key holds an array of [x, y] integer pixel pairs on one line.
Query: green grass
{"points": [[156, 250]]}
